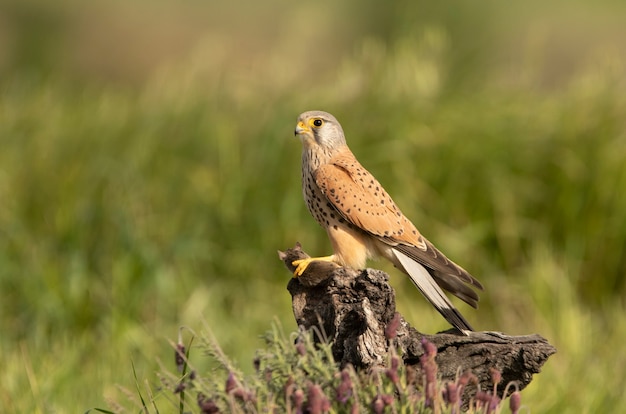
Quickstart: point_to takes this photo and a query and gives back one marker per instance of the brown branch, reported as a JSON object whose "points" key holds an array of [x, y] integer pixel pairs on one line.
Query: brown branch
{"points": [[354, 307]]}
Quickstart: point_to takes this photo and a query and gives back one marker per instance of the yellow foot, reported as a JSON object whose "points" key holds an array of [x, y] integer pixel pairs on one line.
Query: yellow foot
{"points": [[302, 264]]}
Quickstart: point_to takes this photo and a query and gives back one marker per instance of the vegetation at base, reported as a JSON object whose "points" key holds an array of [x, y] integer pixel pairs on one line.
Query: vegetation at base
{"points": [[148, 174], [297, 374]]}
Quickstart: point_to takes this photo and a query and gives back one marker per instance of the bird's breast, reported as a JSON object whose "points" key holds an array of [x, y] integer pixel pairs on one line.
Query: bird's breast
{"points": [[317, 203], [351, 246]]}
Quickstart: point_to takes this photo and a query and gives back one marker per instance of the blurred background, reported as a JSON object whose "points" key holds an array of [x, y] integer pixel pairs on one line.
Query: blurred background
{"points": [[149, 174]]}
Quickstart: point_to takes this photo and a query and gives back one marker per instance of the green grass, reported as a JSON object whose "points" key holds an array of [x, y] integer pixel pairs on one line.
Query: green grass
{"points": [[155, 195], [297, 373]]}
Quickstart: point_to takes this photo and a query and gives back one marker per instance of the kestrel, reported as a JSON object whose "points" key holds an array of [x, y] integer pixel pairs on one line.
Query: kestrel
{"points": [[362, 221]]}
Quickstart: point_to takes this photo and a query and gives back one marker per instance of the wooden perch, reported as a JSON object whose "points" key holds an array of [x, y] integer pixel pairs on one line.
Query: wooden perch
{"points": [[354, 307]]}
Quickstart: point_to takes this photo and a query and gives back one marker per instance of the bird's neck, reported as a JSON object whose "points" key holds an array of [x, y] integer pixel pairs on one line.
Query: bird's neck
{"points": [[314, 157]]}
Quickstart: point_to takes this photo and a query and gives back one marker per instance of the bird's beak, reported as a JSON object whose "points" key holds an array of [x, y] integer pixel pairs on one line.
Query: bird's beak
{"points": [[301, 128]]}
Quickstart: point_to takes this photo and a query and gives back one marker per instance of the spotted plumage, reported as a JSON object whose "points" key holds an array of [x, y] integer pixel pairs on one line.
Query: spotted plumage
{"points": [[362, 220]]}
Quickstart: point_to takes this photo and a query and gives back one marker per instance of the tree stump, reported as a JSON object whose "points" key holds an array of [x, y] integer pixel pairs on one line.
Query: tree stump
{"points": [[354, 308]]}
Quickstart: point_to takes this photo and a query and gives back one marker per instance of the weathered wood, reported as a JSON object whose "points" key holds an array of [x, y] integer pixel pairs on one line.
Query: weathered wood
{"points": [[353, 308]]}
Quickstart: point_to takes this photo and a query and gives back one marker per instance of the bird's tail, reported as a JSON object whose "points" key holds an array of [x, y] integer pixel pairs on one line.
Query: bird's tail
{"points": [[431, 290]]}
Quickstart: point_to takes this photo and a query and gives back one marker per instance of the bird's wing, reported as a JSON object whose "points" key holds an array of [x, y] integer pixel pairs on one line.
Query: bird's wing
{"points": [[362, 201], [425, 283], [448, 274]]}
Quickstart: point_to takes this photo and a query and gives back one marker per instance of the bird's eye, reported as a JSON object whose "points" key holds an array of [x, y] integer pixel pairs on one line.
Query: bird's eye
{"points": [[318, 122]]}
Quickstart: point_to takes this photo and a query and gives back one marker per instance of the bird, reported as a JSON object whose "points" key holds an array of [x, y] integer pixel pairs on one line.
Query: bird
{"points": [[363, 222]]}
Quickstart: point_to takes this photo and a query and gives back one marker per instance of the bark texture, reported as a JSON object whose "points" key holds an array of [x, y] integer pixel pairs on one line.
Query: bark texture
{"points": [[356, 311]]}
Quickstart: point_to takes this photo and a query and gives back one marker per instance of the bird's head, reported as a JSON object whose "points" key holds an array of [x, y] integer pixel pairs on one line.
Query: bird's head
{"points": [[317, 128]]}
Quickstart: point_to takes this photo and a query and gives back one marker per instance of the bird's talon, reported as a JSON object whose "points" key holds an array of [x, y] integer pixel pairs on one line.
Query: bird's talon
{"points": [[301, 266]]}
